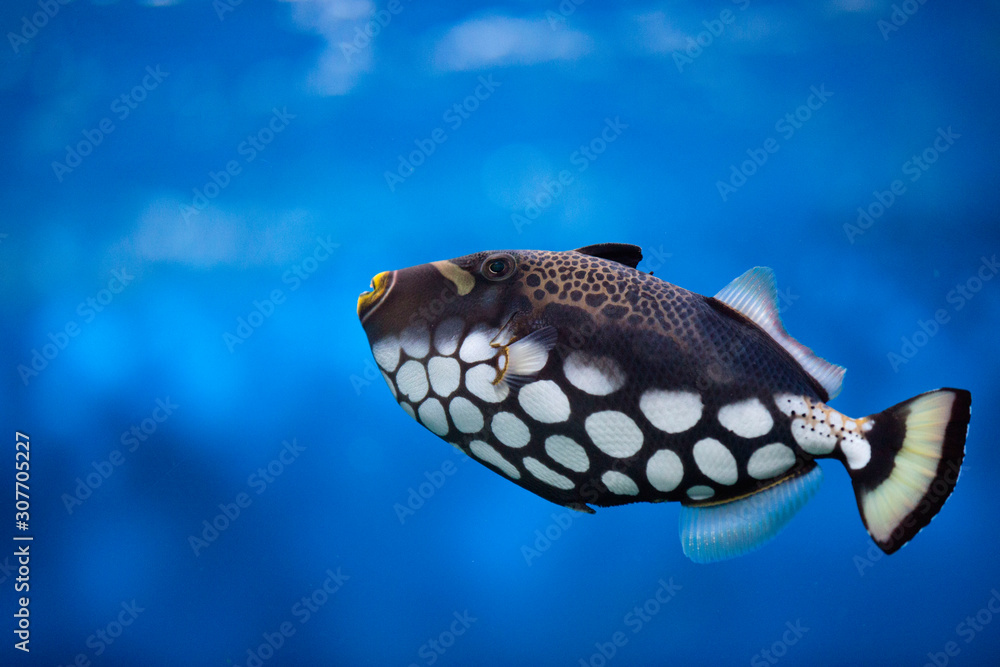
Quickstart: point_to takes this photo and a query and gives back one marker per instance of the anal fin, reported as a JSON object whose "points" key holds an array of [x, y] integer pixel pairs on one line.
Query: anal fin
{"points": [[711, 533]]}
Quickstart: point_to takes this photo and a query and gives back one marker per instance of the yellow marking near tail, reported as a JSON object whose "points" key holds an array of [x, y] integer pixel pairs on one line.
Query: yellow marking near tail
{"points": [[821, 430]]}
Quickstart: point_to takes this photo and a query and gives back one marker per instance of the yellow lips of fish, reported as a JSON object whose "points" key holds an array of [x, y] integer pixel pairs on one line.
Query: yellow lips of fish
{"points": [[368, 300]]}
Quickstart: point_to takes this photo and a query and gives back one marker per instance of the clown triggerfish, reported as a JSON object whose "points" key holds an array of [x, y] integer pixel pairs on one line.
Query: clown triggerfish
{"points": [[589, 382]]}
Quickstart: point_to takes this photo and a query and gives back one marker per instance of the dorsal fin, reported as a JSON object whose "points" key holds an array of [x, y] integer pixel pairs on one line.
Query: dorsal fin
{"points": [[623, 253], [754, 295]]}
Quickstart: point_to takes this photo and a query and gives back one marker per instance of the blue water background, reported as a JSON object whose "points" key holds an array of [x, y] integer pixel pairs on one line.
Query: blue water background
{"points": [[549, 81]]}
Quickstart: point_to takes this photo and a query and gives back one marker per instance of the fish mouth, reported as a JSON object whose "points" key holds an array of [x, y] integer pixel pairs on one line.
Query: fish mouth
{"points": [[369, 301]]}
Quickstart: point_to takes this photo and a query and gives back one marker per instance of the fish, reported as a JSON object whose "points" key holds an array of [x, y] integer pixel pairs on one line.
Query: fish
{"points": [[592, 383]]}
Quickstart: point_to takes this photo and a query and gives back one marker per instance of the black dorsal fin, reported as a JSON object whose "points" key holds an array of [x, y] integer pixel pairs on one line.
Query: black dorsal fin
{"points": [[623, 253]]}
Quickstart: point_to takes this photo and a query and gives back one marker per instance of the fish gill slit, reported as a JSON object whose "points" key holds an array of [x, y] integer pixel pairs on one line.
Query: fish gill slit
{"points": [[504, 359]]}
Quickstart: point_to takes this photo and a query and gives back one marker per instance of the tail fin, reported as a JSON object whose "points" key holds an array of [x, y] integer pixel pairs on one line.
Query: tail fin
{"points": [[917, 450]]}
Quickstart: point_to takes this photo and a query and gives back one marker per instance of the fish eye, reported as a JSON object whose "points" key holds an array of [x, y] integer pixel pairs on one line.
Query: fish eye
{"points": [[498, 267]]}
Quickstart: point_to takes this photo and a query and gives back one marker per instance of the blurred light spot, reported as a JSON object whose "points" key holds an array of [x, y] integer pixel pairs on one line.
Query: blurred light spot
{"points": [[348, 53], [502, 40], [105, 353], [248, 237], [657, 34]]}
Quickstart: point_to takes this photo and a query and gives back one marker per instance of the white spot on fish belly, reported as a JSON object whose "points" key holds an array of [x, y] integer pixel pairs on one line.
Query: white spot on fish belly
{"points": [[716, 461], [544, 401], [700, 492], [416, 340], [664, 470], [479, 381], [614, 433], [447, 334], [770, 461], [510, 430], [476, 346], [386, 353], [566, 451], [492, 456], [432, 415], [857, 450], [546, 474], [671, 411], [412, 380], [465, 414], [814, 439], [408, 409], [619, 483], [445, 374], [747, 419], [598, 376]]}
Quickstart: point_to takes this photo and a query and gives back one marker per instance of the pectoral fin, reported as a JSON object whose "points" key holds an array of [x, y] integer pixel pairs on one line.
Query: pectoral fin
{"points": [[523, 359]]}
